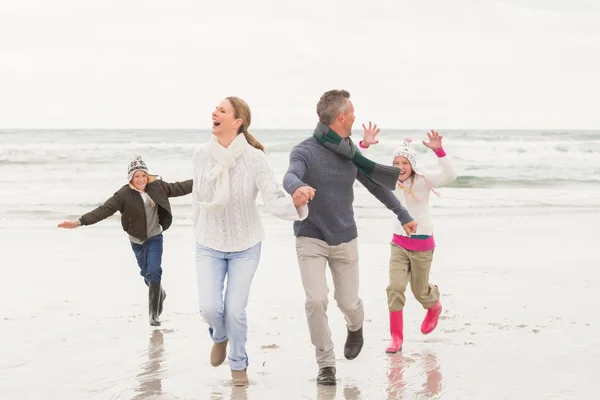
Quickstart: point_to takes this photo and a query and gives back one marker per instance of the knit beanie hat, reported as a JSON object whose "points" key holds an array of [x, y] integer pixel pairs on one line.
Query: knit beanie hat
{"points": [[405, 150], [137, 164]]}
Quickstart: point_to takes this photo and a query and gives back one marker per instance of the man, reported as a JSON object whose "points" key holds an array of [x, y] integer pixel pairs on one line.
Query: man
{"points": [[327, 164]]}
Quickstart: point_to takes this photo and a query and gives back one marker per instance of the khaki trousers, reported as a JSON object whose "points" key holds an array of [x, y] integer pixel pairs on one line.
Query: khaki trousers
{"points": [[410, 265], [313, 256]]}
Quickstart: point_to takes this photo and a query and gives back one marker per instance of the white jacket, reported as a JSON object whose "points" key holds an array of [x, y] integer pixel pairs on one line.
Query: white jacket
{"points": [[238, 227], [418, 207]]}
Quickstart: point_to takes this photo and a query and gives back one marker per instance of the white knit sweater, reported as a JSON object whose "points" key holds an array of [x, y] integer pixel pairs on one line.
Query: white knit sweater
{"points": [[238, 227]]}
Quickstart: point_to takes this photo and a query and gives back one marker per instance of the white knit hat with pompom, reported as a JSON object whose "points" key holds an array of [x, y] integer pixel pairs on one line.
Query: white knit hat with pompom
{"points": [[407, 151]]}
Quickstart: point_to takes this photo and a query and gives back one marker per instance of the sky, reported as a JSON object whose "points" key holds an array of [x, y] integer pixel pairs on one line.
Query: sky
{"points": [[462, 64]]}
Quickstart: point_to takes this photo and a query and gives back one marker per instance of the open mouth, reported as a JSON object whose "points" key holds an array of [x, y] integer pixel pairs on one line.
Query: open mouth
{"points": [[402, 171], [215, 123]]}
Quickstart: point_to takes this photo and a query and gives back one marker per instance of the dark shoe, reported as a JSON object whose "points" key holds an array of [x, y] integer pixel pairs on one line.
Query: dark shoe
{"points": [[354, 344], [326, 376], [153, 301], [163, 296]]}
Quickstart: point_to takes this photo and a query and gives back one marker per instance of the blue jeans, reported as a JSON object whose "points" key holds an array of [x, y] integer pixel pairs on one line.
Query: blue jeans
{"points": [[149, 258], [226, 319]]}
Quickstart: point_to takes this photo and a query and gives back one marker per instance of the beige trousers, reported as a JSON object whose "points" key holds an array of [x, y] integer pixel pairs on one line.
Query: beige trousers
{"points": [[410, 265], [313, 256]]}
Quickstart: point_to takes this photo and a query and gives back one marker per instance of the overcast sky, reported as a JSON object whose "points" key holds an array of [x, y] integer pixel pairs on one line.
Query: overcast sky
{"points": [[407, 64]]}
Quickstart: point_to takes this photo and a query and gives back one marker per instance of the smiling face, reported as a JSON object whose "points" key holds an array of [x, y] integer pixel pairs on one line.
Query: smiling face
{"points": [[405, 167], [140, 180], [224, 121]]}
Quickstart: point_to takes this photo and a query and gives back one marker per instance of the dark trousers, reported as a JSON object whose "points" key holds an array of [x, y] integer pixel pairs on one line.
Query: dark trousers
{"points": [[149, 258]]}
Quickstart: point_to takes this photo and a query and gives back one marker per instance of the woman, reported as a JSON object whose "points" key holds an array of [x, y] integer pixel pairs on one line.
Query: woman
{"points": [[229, 171], [145, 213]]}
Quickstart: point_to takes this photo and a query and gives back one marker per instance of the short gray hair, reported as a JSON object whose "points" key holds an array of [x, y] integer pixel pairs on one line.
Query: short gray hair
{"points": [[331, 104]]}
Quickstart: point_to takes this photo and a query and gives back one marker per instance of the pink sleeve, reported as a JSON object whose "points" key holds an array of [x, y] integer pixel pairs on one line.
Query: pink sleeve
{"points": [[439, 152]]}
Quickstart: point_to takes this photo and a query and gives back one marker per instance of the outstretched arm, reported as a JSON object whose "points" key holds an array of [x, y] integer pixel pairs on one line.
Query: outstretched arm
{"points": [[275, 199], [177, 189], [388, 198], [292, 180], [446, 173], [110, 206]]}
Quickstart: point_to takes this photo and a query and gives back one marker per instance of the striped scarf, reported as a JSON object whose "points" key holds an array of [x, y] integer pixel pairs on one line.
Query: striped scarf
{"points": [[382, 175]]}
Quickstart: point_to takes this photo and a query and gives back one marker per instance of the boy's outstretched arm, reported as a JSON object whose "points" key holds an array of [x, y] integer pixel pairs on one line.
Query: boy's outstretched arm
{"points": [[177, 189], [110, 206]]}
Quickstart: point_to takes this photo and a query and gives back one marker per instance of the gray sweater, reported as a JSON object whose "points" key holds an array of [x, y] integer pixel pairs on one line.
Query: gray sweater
{"points": [[331, 216], [152, 225]]}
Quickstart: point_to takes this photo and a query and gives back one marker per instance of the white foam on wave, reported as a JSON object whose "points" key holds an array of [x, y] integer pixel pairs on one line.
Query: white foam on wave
{"points": [[69, 174]]}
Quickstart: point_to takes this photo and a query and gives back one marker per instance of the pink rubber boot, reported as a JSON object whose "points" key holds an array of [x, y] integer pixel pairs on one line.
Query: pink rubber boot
{"points": [[396, 330], [431, 318]]}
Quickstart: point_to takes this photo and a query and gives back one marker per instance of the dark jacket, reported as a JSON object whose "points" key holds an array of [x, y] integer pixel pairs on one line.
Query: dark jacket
{"points": [[130, 204]]}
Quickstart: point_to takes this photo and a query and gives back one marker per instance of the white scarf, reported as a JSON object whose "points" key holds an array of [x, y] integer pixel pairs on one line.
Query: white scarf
{"points": [[225, 158]]}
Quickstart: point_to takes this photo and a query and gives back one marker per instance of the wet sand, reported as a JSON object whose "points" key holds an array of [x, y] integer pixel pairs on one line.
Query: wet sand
{"points": [[520, 317]]}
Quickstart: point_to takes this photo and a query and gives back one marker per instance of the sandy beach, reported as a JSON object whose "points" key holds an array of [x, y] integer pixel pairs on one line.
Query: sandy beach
{"points": [[520, 319]]}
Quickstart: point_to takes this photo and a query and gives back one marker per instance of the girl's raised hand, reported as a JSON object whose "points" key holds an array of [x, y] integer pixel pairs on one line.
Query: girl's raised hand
{"points": [[370, 135], [435, 140]]}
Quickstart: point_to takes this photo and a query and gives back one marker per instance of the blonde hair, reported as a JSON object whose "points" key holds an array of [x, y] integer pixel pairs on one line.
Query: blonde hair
{"points": [[242, 111]]}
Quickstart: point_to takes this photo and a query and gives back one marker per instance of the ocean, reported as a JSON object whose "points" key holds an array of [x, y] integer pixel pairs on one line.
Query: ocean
{"points": [[51, 175]]}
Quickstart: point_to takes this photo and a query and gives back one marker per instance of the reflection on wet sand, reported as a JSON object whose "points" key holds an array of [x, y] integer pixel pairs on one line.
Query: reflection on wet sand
{"points": [[326, 392], [150, 379], [433, 384], [350, 392], [407, 376], [237, 392], [399, 364], [395, 379]]}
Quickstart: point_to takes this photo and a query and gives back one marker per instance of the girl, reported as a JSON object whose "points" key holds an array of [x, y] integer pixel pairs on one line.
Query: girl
{"points": [[411, 257], [229, 172], [145, 214]]}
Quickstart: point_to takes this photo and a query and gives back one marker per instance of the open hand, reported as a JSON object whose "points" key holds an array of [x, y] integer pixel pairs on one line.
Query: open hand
{"points": [[370, 135], [303, 195], [435, 140], [410, 228], [68, 224]]}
